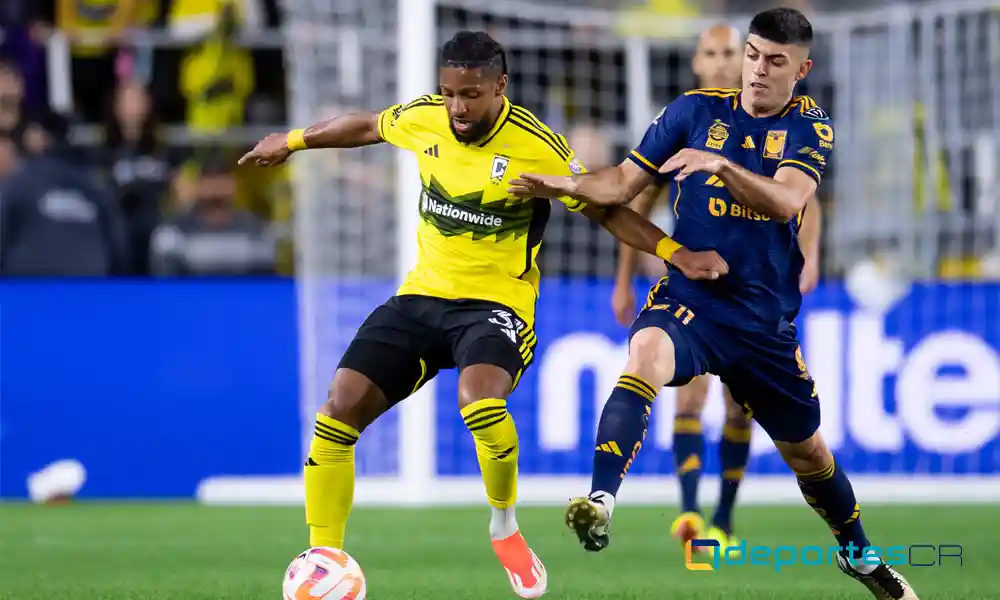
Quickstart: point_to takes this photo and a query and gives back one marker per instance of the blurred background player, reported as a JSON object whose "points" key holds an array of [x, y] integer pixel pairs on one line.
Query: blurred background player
{"points": [[469, 302], [717, 62]]}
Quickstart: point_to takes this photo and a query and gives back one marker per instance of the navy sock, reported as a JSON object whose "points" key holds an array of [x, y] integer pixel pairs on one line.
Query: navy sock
{"points": [[734, 451], [830, 494], [621, 432], [689, 457]]}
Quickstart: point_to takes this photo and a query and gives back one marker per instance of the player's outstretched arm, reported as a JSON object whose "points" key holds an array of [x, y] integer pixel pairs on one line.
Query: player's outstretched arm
{"points": [[611, 186], [347, 131], [636, 231]]}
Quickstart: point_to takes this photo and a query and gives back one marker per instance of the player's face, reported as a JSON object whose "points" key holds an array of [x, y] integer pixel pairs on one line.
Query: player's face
{"points": [[717, 60], [771, 70], [473, 98]]}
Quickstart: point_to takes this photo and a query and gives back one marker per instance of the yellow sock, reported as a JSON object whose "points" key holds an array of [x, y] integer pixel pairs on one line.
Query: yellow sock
{"points": [[329, 476], [496, 447]]}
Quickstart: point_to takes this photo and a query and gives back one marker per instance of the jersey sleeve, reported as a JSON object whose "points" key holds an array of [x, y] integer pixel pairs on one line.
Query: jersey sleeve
{"points": [[810, 145], [397, 124], [557, 158], [665, 136]]}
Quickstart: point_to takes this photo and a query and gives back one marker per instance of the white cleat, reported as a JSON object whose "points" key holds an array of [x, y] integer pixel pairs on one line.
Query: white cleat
{"points": [[885, 583]]}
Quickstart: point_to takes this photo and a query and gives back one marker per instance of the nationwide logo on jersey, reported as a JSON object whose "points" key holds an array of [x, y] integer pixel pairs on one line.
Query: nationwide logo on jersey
{"points": [[717, 135], [459, 215], [499, 168], [774, 144]]}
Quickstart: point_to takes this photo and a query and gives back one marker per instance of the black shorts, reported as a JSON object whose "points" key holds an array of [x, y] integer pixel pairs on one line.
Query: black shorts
{"points": [[405, 342], [765, 372]]}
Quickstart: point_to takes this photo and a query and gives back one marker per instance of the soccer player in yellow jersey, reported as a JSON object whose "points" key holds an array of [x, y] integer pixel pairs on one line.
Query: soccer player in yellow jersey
{"points": [[470, 301]]}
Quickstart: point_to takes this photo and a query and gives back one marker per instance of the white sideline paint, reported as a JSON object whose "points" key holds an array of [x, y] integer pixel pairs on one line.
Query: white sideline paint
{"points": [[551, 491]]}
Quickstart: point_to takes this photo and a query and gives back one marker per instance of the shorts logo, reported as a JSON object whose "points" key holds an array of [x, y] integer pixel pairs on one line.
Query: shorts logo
{"points": [[508, 322], [774, 145], [499, 168]]}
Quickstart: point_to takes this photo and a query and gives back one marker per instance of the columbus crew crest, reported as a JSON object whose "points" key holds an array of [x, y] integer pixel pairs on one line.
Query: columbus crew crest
{"points": [[499, 169]]}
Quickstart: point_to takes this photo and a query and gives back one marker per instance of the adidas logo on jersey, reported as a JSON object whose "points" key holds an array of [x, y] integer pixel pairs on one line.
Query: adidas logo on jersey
{"points": [[714, 181], [748, 144], [432, 151]]}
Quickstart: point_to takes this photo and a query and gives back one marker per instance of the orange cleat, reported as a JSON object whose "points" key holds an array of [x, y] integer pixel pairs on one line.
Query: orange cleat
{"points": [[526, 573]]}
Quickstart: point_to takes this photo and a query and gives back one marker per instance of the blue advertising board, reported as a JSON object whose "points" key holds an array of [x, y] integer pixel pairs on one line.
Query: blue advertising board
{"points": [[193, 379]]}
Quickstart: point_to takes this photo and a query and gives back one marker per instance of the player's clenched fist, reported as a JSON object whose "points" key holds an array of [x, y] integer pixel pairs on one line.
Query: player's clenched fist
{"points": [[272, 150], [706, 264]]}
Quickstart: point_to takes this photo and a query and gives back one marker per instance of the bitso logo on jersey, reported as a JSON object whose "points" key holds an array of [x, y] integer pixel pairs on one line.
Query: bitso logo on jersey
{"points": [[717, 135], [774, 145], [499, 168]]}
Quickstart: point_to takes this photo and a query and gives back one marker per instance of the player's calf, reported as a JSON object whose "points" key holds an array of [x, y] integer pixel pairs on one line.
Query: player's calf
{"points": [[734, 453], [689, 442], [353, 403], [621, 431]]}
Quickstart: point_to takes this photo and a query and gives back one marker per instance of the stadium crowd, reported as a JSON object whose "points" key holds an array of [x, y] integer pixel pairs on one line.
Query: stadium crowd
{"points": [[147, 137]]}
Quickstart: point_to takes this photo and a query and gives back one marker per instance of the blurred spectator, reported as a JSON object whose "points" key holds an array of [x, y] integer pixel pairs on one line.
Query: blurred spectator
{"points": [[212, 236], [54, 217], [24, 29], [95, 28], [138, 166], [217, 77]]}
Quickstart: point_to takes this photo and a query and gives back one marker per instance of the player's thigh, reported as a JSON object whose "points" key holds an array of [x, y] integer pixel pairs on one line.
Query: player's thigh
{"points": [[691, 398], [773, 387], [492, 347], [669, 345], [394, 349]]}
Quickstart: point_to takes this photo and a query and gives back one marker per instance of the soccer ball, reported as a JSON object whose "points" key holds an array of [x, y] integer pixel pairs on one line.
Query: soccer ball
{"points": [[324, 574]]}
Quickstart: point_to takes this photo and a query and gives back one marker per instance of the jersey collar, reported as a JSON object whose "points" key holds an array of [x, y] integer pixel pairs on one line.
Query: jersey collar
{"points": [[498, 125]]}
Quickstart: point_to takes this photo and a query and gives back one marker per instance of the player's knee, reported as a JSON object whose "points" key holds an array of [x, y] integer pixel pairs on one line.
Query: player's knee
{"points": [[651, 356], [736, 416], [808, 456], [691, 398], [478, 382], [353, 400]]}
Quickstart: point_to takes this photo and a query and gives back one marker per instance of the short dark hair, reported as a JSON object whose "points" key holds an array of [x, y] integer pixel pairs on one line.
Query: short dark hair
{"points": [[783, 26], [474, 50]]}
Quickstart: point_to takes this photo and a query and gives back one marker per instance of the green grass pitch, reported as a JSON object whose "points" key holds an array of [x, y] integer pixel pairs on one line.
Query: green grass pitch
{"points": [[188, 552]]}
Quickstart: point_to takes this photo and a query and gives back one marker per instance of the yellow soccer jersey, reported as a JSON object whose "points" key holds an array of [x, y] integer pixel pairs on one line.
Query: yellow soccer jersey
{"points": [[475, 240]]}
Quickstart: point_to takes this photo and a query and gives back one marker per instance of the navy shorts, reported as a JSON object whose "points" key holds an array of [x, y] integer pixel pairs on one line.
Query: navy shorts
{"points": [[764, 371], [405, 342]]}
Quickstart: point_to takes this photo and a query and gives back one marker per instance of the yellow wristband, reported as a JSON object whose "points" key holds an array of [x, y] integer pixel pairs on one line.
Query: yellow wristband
{"points": [[296, 140], [666, 247]]}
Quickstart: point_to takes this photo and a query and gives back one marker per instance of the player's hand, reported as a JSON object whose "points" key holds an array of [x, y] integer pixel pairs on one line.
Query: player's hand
{"points": [[706, 264], [809, 278], [623, 303], [689, 161], [540, 186], [272, 150]]}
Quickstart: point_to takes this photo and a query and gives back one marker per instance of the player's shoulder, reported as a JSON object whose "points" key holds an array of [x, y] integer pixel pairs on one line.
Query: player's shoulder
{"points": [[425, 108], [532, 134], [712, 97], [805, 110]]}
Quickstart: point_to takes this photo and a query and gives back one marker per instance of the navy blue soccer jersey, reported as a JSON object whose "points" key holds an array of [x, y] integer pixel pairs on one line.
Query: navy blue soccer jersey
{"points": [[761, 291]]}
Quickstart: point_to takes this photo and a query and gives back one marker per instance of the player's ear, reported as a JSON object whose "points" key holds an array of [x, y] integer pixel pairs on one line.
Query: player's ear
{"points": [[502, 84], [804, 68]]}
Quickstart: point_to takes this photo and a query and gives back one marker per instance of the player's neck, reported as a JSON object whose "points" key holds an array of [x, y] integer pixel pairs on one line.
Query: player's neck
{"points": [[758, 112], [496, 112]]}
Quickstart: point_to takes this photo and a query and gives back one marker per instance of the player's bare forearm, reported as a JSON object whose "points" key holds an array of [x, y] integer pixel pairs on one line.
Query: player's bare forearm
{"points": [[628, 226], [347, 131], [611, 186], [770, 197], [809, 231], [643, 206]]}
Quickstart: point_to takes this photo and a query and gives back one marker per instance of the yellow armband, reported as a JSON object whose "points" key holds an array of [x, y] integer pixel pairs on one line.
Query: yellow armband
{"points": [[666, 247], [296, 140]]}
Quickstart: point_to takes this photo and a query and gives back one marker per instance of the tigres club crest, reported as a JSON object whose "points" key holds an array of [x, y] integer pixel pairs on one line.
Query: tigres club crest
{"points": [[774, 145], [717, 135]]}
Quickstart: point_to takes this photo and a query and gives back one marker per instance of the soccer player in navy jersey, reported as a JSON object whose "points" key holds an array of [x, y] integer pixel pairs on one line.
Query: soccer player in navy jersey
{"points": [[746, 162]]}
